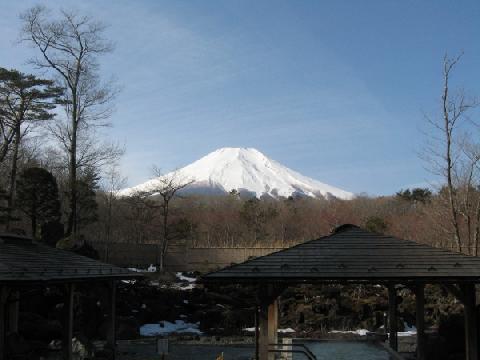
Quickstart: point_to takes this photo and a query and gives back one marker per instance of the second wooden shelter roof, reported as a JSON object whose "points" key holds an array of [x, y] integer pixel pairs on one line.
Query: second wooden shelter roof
{"points": [[352, 254], [24, 261]]}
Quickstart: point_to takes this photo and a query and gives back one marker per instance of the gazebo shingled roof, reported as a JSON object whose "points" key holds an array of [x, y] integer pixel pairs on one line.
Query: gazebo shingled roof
{"points": [[356, 255], [25, 261]]}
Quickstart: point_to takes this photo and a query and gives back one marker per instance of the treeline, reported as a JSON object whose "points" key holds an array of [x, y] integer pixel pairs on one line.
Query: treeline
{"points": [[231, 220]]}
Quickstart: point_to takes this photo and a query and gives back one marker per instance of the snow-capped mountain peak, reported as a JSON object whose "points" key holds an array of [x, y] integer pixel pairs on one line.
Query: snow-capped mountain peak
{"points": [[246, 170]]}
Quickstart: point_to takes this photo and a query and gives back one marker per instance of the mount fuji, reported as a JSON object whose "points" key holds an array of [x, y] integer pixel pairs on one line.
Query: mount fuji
{"points": [[249, 172]]}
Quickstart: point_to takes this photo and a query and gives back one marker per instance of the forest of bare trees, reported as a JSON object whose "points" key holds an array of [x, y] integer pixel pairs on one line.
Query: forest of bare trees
{"points": [[232, 221]]}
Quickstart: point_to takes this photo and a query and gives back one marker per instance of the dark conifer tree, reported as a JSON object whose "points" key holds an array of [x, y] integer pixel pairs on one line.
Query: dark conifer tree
{"points": [[87, 207], [422, 195], [376, 224], [24, 100], [3, 206], [37, 196]]}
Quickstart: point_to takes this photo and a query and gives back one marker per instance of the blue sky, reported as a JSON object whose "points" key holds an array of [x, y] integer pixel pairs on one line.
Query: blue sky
{"points": [[335, 90]]}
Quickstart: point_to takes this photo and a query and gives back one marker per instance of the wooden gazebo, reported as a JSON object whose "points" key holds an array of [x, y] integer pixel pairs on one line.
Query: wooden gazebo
{"points": [[353, 255], [25, 263]]}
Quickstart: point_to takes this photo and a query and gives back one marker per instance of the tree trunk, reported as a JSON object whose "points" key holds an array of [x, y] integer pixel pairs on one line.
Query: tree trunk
{"points": [[468, 246], [13, 175], [6, 141], [477, 229], [34, 220], [108, 225], [72, 217], [165, 234], [448, 155], [34, 226]]}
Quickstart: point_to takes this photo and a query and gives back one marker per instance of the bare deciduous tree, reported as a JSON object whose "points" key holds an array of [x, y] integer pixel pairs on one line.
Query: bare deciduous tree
{"points": [[450, 155], [113, 183], [165, 188], [69, 47], [139, 217]]}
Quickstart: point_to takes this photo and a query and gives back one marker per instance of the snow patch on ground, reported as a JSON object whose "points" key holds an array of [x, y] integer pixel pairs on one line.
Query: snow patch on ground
{"points": [[182, 283], [361, 332], [129, 281], [283, 331], [166, 327], [182, 277], [151, 268], [177, 286], [286, 331], [409, 331]]}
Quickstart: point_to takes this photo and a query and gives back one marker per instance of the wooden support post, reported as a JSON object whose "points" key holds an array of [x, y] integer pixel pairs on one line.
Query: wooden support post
{"points": [[392, 317], [111, 336], [420, 321], [3, 302], [13, 311], [273, 322], [263, 333], [68, 326], [471, 329], [257, 332], [267, 320], [273, 325]]}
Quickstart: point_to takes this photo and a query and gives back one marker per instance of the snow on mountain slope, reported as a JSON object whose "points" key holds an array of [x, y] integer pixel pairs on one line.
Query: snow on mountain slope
{"points": [[246, 170]]}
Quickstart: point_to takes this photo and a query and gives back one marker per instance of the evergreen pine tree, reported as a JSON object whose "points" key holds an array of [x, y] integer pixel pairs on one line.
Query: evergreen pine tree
{"points": [[24, 100], [87, 207], [37, 196], [3, 206]]}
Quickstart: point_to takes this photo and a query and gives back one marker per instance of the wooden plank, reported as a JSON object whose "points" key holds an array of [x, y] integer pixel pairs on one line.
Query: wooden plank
{"points": [[366, 262], [370, 268], [471, 327], [111, 335], [336, 274], [257, 333], [3, 302], [13, 311], [345, 266], [273, 324], [319, 255], [420, 320], [68, 320], [392, 317], [360, 259], [263, 333]]}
